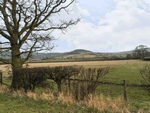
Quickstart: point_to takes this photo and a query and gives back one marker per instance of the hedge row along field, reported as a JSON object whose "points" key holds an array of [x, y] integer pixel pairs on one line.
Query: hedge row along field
{"points": [[31, 77]]}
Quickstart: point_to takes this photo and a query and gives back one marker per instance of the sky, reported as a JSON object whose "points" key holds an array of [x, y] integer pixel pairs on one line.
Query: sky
{"points": [[106, 26]]}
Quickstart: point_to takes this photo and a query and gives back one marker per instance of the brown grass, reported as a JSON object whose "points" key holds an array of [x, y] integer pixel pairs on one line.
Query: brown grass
{"points": [[86, 63], [6, 68], [89, 63], [99, 102]]}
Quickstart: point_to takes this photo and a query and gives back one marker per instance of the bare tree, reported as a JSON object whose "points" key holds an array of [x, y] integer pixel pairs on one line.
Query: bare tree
{"points": [[26, 28]]}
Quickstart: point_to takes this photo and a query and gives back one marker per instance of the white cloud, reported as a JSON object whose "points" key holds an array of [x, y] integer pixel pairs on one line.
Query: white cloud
{"points": [[82, 11], [123, 28]]}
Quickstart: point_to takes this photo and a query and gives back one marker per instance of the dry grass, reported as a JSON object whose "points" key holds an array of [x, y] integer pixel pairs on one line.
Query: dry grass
{"points": [[6, 69], [3, 89], [88, 63], [104, 103], [66, 98], [99, 102]]}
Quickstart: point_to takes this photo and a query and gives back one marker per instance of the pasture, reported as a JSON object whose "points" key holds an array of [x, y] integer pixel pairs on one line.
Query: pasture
{"points": [[120, 70]]}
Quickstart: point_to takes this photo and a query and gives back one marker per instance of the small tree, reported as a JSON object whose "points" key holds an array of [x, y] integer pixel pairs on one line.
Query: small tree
{"points": [[145, 72]]}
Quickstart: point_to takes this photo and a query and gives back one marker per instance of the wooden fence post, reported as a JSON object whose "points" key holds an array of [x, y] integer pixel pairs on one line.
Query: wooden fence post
{"points": [[1, 78], [69, 84], [125, 93]]}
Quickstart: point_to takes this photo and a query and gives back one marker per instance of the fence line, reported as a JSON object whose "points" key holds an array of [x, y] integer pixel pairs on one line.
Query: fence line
{"points": [[110, 83]]}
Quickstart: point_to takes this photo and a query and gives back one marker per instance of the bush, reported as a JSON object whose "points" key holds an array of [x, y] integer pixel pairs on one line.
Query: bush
{"points": [[31, 77], [46, 84], [87, 83], [145, 72], [61, 72]]}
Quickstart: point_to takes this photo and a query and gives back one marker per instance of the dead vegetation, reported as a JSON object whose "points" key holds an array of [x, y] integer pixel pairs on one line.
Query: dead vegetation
{"points": [[102, 103]]}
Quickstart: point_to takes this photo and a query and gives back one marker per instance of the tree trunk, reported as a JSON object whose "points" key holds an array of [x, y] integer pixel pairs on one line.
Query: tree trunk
{"points": [[16, 63]]}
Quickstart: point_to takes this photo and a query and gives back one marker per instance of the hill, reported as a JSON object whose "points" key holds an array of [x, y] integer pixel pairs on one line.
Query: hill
{"points": [[78, 53], [81, 53], [54, 55]]}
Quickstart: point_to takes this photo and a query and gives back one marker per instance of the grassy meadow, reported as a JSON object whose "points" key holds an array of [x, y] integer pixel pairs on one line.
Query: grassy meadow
{"points": [[120, 70]]}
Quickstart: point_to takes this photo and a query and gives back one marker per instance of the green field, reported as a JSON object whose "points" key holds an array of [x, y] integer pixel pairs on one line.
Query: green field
{"points": [[129, 70], [137, 97]]}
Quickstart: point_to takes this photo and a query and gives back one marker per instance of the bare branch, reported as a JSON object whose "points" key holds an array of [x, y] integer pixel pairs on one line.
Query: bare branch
{"points": [[5, 61], [4, 42], [62, 26], [5, 15], [5, 48], [4, 34]]}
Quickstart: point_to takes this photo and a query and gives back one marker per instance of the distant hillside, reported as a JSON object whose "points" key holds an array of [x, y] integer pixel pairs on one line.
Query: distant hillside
{"points": [[79, 54], [54, 55], [47, 55], [122, 53], [77, 51]]}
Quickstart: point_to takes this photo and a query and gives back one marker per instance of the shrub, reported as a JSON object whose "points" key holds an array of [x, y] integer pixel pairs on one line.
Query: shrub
{"points": [[46, 84], [61, 72], [31, 77], [87, 83], [145, 72]]}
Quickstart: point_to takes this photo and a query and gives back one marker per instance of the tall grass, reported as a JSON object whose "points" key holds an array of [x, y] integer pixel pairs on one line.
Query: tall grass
{"points": [[100, 102]]}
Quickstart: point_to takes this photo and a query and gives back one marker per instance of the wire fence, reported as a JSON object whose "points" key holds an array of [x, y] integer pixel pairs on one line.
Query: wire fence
{"points": [[112, 83], [124, 84]]}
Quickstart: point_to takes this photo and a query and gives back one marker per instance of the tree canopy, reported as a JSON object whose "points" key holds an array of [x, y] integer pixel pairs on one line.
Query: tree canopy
{"points": [[140, 51]]}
